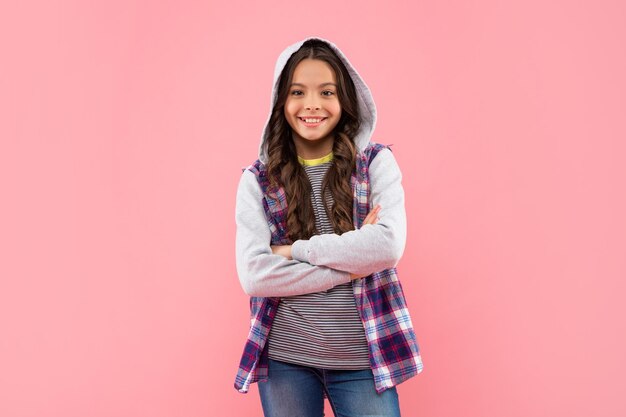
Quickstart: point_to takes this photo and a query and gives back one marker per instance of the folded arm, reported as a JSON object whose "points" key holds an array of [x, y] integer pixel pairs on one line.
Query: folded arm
{"points": [[373, 247], [262, 273]]}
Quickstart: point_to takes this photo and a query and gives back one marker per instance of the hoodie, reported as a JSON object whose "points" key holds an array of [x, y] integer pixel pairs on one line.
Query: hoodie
{"points": [[367, 108], [327, 260]]}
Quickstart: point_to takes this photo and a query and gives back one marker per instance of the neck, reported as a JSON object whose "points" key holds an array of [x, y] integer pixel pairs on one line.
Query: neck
{"points": [[307, 149]]}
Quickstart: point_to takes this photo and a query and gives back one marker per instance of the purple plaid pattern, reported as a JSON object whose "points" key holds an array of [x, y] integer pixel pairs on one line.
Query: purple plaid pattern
{"points": [[394, 351]]}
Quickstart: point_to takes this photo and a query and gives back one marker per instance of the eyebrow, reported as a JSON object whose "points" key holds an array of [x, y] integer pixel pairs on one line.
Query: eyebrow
{"points": [[321, 85]]}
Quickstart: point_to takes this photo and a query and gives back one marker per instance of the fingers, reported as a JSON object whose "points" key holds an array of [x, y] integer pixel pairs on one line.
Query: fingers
{"points": [[357, 276], [372, 216], [368, 218], [282, 250]]}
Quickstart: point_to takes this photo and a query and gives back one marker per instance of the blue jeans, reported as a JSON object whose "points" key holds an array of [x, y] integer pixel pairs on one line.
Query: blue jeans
{"points": [[298, 391]]}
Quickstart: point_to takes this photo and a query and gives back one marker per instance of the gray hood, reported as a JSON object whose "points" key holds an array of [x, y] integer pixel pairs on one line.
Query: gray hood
{"points": [[367, 108]]}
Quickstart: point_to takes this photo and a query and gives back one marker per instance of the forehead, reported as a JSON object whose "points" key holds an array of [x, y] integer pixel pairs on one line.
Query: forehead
{"points": [[313, 71]]}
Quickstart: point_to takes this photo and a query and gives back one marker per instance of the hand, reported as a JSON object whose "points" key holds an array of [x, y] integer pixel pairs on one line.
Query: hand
{"points": [[283, 250], [355, 276], [371, 218]]}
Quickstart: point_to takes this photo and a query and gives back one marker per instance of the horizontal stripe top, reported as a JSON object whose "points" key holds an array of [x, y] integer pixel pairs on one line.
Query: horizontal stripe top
{"points": [[321, 329]]}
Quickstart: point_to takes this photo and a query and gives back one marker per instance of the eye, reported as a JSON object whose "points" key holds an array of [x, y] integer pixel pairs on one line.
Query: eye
{"points": [[293, 93], [328, 91]]}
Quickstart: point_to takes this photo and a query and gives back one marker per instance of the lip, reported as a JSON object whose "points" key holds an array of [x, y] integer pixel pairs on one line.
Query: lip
{"points": [[312, 124]]}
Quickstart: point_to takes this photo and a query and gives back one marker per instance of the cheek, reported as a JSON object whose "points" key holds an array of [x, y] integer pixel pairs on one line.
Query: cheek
{"points": [[290, 109], [336, 114], [335, 108], [290, 115]]}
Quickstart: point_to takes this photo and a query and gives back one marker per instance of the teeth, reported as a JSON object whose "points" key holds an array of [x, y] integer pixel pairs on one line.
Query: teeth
{"points": [[312, 120]]}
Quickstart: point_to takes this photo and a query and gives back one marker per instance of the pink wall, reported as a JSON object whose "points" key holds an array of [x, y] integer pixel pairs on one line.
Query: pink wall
{"points": [[124, 126]]}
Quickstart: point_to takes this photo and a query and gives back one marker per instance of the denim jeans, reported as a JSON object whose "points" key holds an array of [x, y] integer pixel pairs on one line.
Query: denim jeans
{"points": [[297, 391]]}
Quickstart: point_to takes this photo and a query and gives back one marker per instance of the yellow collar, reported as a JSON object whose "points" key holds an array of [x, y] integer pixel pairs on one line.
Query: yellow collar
{"points": [[316, 161]]}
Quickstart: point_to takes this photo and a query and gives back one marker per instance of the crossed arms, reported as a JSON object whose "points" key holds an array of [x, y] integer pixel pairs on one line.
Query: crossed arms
{"points": [[325, 260]]}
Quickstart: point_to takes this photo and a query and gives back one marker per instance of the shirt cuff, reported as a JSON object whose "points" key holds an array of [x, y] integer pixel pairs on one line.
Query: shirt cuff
{"points": [[339, 277], [300, 250]]}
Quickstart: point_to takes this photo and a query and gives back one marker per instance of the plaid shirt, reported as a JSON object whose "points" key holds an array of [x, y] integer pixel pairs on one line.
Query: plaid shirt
{"points": [[393, 348]]}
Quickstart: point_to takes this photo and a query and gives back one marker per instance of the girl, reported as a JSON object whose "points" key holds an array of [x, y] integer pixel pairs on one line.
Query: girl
{"points": [[320, 228]]}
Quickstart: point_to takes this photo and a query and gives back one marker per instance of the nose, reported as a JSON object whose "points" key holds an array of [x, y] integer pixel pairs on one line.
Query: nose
{"points": [[313, 105]]}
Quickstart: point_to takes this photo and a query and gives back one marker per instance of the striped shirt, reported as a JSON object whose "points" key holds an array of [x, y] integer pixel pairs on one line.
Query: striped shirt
{"points": [[321, 329], [394, 351]]}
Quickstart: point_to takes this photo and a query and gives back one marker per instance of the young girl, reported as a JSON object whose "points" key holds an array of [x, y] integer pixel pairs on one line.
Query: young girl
{"points": [[321, 226]]}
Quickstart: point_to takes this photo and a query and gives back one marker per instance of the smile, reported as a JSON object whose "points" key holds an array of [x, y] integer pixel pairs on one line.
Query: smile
{"points": [[312, 121]]}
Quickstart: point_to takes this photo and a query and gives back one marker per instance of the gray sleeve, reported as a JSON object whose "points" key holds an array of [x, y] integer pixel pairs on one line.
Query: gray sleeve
{"points": [[261, 273], [373, 247]]}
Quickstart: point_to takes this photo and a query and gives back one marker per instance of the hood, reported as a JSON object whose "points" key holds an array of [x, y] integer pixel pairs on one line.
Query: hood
{"points": [[367, 108]]}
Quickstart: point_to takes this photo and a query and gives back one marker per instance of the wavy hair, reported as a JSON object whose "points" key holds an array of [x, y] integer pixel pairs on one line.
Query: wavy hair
{"points": [[283, 166]]}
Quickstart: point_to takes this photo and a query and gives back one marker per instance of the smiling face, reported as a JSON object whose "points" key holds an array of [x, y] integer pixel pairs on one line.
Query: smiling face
{"points": [[312, 108]]}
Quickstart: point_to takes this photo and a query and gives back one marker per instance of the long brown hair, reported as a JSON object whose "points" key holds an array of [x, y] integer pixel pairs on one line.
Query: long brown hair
{"points": [[283, 166]]}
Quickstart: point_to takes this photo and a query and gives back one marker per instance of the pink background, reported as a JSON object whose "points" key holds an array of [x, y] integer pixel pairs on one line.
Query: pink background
{"points": [[124, 126]]}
